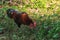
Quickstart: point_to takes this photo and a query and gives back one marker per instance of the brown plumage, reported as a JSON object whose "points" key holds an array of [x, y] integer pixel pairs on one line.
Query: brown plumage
{"points": [[21, 18]]}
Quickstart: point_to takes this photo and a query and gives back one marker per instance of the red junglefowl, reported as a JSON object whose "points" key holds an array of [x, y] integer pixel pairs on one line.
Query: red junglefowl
{"points": [[21, 18]]}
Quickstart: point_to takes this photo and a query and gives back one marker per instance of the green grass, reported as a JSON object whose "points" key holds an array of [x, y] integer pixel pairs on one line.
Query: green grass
{"points": [[47, 18], [48, 28]]}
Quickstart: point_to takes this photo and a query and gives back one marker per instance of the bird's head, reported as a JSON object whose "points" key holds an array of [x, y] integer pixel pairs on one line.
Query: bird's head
{"points": [[11, 13]]}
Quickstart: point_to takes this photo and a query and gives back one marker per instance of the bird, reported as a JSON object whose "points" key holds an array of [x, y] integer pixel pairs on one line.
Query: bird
{"points": [[20, 18]]}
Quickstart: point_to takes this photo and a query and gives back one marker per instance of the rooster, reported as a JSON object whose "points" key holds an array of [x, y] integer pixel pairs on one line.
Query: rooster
{"points": [[21, 18]]}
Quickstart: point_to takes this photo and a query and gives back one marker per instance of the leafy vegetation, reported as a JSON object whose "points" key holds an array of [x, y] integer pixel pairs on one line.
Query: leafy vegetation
{"points": [[45, 12]]}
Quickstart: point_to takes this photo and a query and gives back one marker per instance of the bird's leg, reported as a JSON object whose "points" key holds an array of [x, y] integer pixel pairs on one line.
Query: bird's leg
{"points": [[18, 25]]}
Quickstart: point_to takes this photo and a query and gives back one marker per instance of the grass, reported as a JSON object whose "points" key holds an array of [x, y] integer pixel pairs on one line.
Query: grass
{"points": [[46, 15], [48, 28]]}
